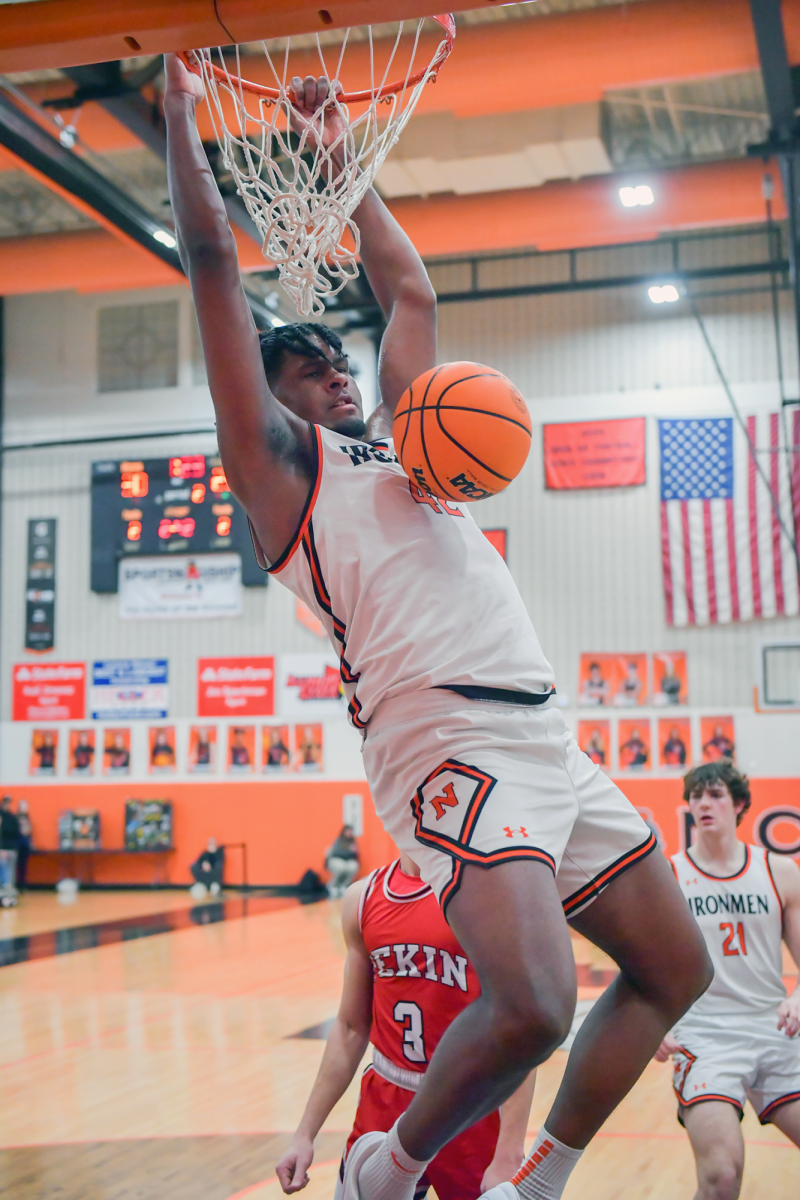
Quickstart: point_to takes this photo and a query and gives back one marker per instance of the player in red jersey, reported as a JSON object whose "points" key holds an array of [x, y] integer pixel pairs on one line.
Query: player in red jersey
{"points": [[406, 979]]}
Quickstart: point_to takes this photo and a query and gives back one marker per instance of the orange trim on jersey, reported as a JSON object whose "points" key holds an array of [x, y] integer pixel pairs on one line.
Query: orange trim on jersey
{"points": [[787, 1099], [311, 500], [774, 884], [724, 878], [592, 890], [712, 1096], [691, 1059]]}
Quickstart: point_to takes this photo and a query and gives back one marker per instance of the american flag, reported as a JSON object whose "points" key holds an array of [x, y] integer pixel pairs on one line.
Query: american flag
{"points": [[724, 555]]}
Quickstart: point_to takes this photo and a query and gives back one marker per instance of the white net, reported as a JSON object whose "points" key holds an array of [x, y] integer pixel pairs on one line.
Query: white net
{"points": [[302, 177]]}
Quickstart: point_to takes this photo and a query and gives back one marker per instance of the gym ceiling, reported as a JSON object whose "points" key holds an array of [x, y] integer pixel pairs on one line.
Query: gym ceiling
{"points": [[544, 111]]}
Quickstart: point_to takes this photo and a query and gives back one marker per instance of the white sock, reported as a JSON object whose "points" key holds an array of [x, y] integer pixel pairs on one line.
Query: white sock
{"points": [[544, 1175], [390, 1173]]}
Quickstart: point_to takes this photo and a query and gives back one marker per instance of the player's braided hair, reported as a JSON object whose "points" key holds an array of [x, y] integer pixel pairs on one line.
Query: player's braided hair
{"points": [[295, 339], [722, 771]]}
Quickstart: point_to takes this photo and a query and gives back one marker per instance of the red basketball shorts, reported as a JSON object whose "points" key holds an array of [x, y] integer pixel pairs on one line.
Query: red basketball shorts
{"points": [[458, 1168]]}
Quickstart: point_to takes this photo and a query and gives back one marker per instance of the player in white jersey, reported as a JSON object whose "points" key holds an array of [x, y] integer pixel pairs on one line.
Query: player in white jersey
{"points": [[740, 1040], [445, 677]]}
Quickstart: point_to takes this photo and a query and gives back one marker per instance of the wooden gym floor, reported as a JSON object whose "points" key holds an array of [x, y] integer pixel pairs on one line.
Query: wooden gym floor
{"points": [[172, 1056]]}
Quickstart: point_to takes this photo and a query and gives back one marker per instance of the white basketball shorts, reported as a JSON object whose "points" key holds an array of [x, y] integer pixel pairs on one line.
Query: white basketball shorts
{"points": [[458, 781], [736, 1058]]}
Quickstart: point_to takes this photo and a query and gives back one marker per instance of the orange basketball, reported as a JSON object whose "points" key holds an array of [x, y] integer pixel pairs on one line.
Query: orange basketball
{"points": [[462, 431]]}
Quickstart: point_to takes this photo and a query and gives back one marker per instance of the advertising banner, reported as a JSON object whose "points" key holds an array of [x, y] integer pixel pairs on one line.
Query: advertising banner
{"points": [[236, 687], [130, 689], [49, 692], [206, 585], [595, 454], [40, 586], [310, 687]]}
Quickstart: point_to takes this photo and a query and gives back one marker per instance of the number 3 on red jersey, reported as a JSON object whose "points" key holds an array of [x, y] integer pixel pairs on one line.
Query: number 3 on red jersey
{"points": [[409, 1015]]}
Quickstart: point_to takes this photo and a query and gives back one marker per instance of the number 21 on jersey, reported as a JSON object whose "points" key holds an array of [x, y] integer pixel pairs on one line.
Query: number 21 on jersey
{"points": [[734, 942], [409, 1015]]}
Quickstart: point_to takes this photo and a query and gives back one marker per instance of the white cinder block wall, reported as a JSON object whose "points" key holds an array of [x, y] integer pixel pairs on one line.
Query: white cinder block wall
{"points": [[587, 563]]}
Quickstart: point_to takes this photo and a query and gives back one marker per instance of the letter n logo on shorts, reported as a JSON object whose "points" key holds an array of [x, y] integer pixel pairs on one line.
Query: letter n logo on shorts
{"points": [[447, 805]]}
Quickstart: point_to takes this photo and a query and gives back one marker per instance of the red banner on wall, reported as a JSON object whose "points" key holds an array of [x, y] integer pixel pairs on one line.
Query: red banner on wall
{"points": [[595, 454], [236, 687], [49, 691]]}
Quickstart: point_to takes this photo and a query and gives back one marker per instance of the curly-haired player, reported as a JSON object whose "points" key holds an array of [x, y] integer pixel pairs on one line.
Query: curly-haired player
{"points": [[740, 1040]]}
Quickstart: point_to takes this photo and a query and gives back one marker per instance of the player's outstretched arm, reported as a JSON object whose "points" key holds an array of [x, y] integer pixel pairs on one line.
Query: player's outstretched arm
{"points": [[344, 1049], [510, 1149], [786, 874], [266, 449], [400, 282]]}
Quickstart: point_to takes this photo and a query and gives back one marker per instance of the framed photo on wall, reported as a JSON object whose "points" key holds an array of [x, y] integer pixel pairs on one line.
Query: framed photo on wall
{"points": [[44, 752], [117, 752], [717, 738], [81, 752], [241, 758], [670, 685], [634, 744], [308, 748], [161, 757], [675, 743], [594, 738], [202, 749], [276, 754]]}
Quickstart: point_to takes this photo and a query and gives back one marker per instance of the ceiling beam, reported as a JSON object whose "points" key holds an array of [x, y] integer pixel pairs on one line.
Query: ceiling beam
{"points": [[784, 136], [55, 164], [33, 149]]}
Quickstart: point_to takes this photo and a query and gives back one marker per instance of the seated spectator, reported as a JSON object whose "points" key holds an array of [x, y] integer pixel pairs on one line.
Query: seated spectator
{"points": [[341, 859], [25, 841], [207, 870]]}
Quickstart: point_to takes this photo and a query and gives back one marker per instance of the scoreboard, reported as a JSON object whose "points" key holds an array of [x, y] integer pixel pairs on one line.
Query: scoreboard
{"points": [[179, 505]]}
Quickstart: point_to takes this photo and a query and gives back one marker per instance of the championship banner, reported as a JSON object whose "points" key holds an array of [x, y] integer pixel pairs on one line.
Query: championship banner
{"points": [[130, 689], [40, 587], [310, 687], [236, 687], [595, 454], [49, 692], [204, 585]]}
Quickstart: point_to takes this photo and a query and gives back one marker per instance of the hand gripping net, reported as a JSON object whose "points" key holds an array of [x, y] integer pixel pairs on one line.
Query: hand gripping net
{"points": [[300, 179]]}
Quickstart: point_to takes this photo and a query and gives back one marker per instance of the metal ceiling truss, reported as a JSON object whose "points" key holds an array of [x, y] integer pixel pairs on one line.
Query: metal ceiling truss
{"points": [[783, 100], [31, 143]]}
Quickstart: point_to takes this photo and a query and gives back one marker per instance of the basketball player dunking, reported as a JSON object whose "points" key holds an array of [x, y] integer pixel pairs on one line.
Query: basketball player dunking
{"points": [[405, 980], [444, 675], [740, 1040]]}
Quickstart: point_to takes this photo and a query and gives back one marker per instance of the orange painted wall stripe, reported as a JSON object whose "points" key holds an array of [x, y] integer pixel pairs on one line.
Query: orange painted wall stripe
{"points": [[288, 826], [558, 216]]}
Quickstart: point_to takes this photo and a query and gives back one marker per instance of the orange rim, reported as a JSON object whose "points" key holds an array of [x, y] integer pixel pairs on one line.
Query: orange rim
{"points": [[446, 20]]}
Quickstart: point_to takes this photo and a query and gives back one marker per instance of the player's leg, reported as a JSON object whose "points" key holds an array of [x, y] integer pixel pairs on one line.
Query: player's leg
{"points": [[642, 921], [511, 925], [715, 1133], [458, 1169], [787, 1118]]}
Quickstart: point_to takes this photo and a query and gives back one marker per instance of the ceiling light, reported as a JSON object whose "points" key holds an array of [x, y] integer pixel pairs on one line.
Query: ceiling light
{"points": [[663, 294], [166, 239], [631, 197]]}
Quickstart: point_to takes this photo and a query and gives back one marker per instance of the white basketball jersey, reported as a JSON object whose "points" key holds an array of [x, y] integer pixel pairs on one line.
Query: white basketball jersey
{"points": [[411, 592], [741, 920]]}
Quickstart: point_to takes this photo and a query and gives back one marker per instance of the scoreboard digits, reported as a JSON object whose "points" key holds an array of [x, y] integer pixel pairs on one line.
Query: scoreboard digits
{"points": [[165, 506]]}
